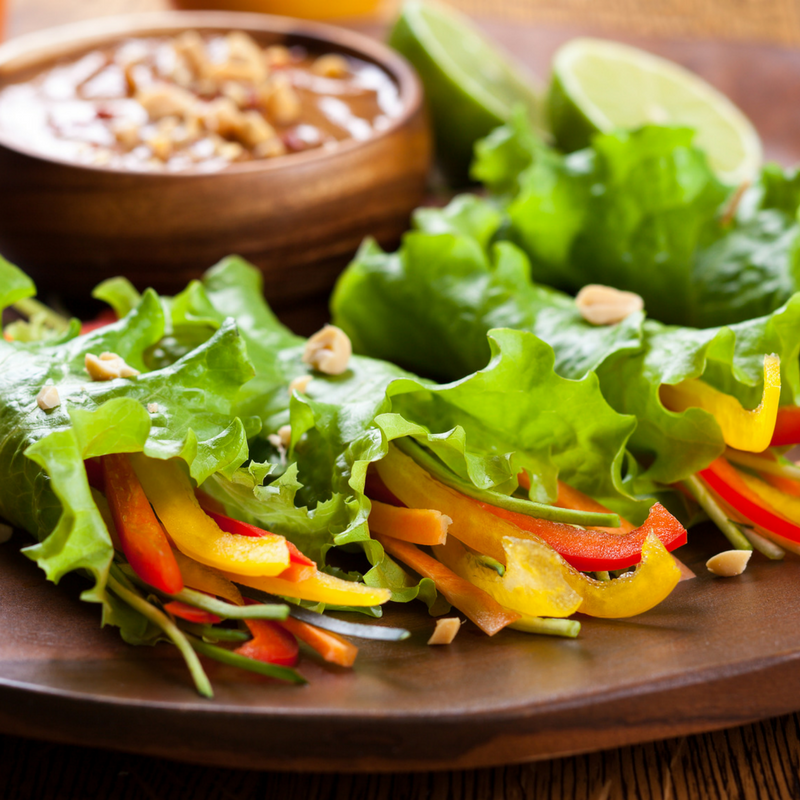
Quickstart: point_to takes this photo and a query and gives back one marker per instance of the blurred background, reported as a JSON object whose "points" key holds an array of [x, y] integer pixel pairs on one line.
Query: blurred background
{"points": [[766, 21]]}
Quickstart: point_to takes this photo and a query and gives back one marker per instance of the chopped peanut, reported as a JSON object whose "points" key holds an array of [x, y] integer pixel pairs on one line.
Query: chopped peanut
{"points": [[152, 408], [331, 65], [277, 56], [282, 103], [270, 148], [222, 117], [299, 384], [445, 630], [604, 305], [165, 100], [48, 398], [255, 130], [328, 351], [108, 366], [127, 134], [729, 563], [192, 47]]}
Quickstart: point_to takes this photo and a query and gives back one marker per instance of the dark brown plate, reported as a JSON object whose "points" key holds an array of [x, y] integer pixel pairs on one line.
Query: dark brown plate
{"points": [[718, 652]]}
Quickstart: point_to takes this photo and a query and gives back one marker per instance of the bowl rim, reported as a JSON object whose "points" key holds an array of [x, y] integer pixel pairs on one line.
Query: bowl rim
{"points": [[64, 40]]}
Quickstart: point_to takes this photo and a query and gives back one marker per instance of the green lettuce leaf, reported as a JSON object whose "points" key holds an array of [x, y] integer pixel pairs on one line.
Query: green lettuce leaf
{"points": [[515, 414], [641, 210], [183, 410], [428, 306]]}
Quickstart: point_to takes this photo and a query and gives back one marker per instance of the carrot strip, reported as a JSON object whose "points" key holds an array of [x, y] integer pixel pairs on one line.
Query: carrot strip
{"points": [[479, 606], [415, 525], [331, 647]]}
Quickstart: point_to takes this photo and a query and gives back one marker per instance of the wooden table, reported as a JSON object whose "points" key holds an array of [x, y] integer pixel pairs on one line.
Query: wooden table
{"points": [[755, 761]]}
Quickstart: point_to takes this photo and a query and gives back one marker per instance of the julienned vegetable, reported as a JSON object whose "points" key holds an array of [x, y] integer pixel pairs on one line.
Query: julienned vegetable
{"points": [[189, 418]]}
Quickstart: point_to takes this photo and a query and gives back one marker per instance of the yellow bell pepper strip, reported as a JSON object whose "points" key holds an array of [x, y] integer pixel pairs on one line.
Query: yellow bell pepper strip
{"points": [[477, 604], [333, 648], [206, 579], [730, 485], [415, 525], [416, 488], [195, 534], [632, 593], [321, 588], [745, 430], [533, 582]]}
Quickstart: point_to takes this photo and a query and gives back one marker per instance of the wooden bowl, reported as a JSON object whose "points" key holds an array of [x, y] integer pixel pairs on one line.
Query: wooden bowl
{"points": [[299, 217]]}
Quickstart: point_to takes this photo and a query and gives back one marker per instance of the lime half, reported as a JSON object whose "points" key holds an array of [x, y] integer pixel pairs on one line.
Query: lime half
{"points": [[599, 85], [471, 86]]}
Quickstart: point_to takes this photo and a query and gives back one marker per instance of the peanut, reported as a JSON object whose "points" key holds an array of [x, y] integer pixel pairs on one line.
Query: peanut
{"points": [[729, 563], [328, 351], [604, 305], [445, 630]]}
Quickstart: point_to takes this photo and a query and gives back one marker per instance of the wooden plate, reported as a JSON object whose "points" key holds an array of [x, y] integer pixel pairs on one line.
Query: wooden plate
{"points": [[718, 652]]}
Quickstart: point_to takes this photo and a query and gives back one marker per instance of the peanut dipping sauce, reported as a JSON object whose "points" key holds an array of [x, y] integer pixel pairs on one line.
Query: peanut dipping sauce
{"points": [[197, 103]]}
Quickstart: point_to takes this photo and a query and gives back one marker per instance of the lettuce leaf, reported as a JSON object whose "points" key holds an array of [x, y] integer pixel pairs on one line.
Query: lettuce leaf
{"points": [[514, 414], [642, 211], [429, 305], [183, 410]]}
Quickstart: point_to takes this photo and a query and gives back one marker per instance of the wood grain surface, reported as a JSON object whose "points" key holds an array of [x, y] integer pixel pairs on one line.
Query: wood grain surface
{"points": [[755, 761]]}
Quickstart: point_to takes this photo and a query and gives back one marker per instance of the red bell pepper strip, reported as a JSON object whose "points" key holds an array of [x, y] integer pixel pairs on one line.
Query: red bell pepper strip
{"points": [[191, 614], [300, 566], [723, 479], [140, 533], [94, 474], [271, 643], [595, 550], [376, 489], [787, 427]]}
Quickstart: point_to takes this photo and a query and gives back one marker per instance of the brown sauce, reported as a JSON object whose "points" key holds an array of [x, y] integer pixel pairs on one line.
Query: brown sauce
{"points": [[196, 103]]}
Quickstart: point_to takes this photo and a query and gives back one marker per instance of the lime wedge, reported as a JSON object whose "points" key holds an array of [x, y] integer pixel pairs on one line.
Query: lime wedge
{"points": [[599, 85], [471, 86]]}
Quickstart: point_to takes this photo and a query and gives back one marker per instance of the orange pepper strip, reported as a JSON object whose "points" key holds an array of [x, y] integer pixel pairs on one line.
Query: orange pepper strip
{"points": [[207, 579], [415, 525], [331, 647], [471, 524], [478, 605], [577, 500], [572, 498], [786, 485]]}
